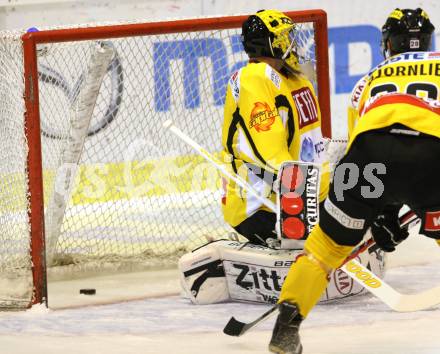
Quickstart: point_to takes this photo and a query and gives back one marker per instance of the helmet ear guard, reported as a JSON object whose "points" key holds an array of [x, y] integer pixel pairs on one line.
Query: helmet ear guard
{"points": [[270, 33], [406, 30]]}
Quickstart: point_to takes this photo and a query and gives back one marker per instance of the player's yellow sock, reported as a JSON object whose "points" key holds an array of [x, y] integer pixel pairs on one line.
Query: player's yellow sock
{"points": [[438, 242], [308, 276]]}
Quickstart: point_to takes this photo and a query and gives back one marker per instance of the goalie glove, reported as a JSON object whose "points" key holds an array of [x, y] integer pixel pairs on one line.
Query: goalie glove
{"points": [[386, 229]]}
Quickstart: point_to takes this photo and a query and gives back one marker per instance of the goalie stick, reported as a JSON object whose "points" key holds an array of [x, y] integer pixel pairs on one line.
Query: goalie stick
{"points": [[395, 300], [168, 124]]}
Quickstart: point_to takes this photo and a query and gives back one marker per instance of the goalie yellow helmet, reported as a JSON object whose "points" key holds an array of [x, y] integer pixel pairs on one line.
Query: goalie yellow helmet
{"points": [[271, 33]]}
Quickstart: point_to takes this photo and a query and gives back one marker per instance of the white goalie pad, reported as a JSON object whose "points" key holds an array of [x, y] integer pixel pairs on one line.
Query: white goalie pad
{"points": [[202, 276], [233, 271]]}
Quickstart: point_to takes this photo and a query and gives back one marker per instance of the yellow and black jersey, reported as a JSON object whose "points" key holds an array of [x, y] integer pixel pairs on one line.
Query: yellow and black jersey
{"points": [[420, 115], [414, 73], [268, 119]]}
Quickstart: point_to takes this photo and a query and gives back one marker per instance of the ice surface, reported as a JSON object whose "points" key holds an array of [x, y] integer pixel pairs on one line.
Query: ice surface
{"points": [[360, 325], [170, 324]]}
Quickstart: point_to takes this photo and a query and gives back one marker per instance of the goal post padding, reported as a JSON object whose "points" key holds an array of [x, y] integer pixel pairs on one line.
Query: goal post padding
{"points": [[140, 198]]}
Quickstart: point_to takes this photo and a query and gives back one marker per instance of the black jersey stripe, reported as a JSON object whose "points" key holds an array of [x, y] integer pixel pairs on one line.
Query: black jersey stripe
{"points": [[251, 142], [231, 132], [282, 101], [237, 119]]}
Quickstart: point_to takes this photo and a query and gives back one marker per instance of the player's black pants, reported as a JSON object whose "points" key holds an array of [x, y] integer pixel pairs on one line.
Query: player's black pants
{"points": [[412, 177], [258, 227]]}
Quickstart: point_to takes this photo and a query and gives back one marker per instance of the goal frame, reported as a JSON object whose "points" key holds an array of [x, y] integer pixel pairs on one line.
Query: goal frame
{"points": [[30, 41]]}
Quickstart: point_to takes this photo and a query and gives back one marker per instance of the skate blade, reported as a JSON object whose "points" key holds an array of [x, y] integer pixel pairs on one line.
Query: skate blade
{"points": [[278, 350]]}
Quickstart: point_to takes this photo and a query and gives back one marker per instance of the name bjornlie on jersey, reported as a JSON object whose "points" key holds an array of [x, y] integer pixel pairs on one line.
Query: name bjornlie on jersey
{"points": [[390, 68], [407, 57]]}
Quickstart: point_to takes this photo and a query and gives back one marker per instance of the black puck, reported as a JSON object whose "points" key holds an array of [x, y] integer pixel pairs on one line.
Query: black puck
{"points": [[87, 291]]}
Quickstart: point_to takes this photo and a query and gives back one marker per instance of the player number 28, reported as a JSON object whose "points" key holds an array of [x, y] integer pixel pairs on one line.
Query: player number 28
{"points": [[420, 89]]}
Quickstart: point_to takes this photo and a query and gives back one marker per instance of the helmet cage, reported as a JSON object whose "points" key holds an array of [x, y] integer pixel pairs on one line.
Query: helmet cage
{"points": [[291, 34], [284, 47]]}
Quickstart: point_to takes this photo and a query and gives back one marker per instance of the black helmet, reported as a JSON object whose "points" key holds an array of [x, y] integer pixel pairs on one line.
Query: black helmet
{"points": [[270, 33], [406, 30]]}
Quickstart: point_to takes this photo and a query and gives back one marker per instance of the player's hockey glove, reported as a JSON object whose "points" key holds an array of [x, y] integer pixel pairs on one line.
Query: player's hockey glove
{"points": [[386, 229]]}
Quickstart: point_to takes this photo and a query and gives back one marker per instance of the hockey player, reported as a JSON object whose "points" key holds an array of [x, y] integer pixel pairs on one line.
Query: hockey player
{"points": [[395, 130], [396, 40], [271, 115]]}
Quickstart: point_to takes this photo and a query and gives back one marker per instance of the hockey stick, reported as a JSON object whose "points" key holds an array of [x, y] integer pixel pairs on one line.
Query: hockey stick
{"points": [[237, 328], [168, 124], [359, 273], [404, 221], [397, 301]]}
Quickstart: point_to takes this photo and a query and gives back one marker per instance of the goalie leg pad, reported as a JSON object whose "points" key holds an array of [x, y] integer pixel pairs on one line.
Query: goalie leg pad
{"points": [[233, 271], [202, 276]]}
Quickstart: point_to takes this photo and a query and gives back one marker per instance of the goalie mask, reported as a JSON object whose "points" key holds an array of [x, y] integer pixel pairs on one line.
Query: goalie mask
{"points": [[406, 31], [270, 33]]}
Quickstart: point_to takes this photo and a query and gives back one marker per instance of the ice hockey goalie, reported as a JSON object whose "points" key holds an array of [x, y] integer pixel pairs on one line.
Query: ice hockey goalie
{"points": [[229, 270]]}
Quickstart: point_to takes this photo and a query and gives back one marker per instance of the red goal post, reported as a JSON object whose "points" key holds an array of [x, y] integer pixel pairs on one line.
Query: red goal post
{"points": [[32, 43]]}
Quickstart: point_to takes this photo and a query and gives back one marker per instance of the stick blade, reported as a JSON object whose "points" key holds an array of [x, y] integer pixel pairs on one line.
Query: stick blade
{"points": [[234, 327]]}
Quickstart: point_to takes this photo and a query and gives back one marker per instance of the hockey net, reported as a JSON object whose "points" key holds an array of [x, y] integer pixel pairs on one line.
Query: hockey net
{"points": [[89, 179]]}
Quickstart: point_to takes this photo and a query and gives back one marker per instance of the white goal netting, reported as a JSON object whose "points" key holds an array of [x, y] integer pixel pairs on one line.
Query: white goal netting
{"points": [[139, 198]]}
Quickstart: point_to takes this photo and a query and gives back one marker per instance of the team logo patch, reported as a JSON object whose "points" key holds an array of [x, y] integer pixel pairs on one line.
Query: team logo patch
{"points": [[307, 147], [432, 221], [343, 283], [357, 92], [234, 81], [273, 76], [306, 106], [312, 146], [262, 117]]}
